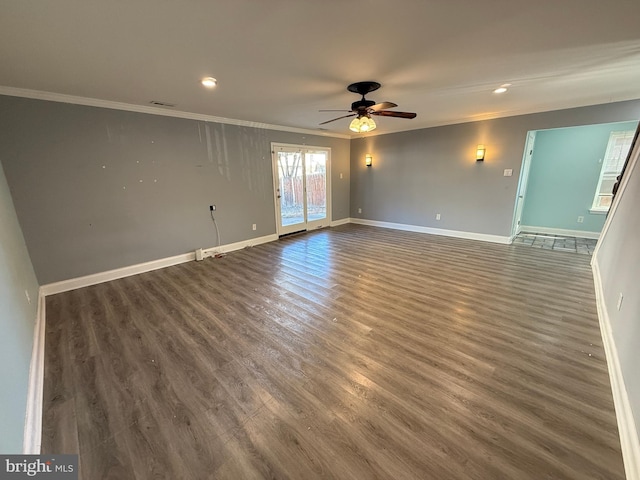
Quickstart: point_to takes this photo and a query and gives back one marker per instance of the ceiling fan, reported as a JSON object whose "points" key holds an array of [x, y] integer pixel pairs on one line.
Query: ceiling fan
{"points": [[363, 109]]}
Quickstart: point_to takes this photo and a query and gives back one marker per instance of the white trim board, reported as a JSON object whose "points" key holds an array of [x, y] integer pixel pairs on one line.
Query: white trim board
{"points": [[629, 441], [94, 279], [252, 242], [559, 231], [35, 393], [101, 277], [342, 221], [129, 107], [483, 237]]}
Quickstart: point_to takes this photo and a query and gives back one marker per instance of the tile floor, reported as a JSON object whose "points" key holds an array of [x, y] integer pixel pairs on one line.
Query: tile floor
{"points": [[562, 243]]}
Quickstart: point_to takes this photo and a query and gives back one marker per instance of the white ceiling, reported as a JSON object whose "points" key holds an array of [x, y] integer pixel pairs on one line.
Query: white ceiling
{"points": [[279, 61]]}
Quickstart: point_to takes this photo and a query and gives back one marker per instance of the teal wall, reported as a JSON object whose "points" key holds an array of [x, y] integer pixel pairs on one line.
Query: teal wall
{"points": [[564, 175], [17, 318]]}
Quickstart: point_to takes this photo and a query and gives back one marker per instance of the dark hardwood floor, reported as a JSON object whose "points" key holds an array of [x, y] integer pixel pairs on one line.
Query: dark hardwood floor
{"points": [[347, 353]]}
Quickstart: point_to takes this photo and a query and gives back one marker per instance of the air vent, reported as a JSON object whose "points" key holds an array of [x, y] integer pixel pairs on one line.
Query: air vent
{"points": [[161, 104]]}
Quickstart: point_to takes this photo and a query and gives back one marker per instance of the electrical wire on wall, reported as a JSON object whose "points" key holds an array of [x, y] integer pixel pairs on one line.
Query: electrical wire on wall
{"points": [[215, 224]]}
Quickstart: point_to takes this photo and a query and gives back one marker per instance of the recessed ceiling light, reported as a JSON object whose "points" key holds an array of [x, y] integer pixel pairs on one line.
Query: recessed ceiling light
{"points": [[502, 88], [209, 82]]}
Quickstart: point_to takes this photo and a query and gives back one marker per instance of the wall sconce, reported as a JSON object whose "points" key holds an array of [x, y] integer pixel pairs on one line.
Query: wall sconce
{"points": [[480, 151], [368, 159]]}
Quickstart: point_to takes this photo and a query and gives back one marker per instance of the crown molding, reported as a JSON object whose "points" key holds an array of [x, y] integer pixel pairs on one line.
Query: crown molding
{"points": [[514, 112], [129, 107]]}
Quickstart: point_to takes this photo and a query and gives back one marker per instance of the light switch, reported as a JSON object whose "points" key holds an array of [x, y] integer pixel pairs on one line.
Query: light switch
{"points": [[508, 172]]}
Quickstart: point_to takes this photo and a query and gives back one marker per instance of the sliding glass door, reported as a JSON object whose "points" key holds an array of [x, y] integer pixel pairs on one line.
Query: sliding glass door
{"points": [[301, 187]]}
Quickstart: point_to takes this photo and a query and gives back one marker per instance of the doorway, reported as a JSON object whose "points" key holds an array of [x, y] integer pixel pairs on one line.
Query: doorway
{"points": [[562, 190], [301, 184]]}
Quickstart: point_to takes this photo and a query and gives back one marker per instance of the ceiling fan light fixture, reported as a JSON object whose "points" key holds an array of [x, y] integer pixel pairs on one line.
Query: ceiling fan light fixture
{"points": [[368, 124], [354, 126], [362, 124]]}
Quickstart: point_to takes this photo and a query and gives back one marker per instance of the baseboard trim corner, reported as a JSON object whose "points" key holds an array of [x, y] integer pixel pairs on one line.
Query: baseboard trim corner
{"points": [[629, 440], [35, 393], [483, 237], [33, 419]]}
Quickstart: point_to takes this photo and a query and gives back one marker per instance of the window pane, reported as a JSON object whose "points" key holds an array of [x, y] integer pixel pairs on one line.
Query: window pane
{"points": [[316, 185], [291, 188], [612, 164]]}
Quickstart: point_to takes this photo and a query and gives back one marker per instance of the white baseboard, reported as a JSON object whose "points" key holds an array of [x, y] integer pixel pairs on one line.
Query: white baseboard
{"points": [[435, 231], [629, 441], [342, 221], [559, 231], [35, 393], [94, 279], [252, 242]]}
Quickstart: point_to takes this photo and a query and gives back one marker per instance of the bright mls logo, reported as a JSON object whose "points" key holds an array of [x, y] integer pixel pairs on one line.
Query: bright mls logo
{"points": [[50, 467]]}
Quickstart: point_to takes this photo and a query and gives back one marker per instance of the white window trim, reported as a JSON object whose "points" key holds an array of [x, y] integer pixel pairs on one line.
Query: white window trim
{"points": [[599, 211]]}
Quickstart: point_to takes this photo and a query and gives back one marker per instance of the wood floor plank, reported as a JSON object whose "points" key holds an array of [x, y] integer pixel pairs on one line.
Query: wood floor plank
{"points": [[348, 353]]}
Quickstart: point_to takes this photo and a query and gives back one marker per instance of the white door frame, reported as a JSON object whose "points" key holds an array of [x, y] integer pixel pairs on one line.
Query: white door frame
{"points": [[522, 183], [306, 225]]}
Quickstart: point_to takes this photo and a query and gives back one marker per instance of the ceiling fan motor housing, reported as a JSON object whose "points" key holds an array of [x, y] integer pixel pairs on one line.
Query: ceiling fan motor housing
{"points": [[362, 105]]}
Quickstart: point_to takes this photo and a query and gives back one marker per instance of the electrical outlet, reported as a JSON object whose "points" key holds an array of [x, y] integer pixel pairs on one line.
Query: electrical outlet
{"points": [[437, 216], [253, 226], [359, 210], [508, 172], [580, 219], [620, 298]]}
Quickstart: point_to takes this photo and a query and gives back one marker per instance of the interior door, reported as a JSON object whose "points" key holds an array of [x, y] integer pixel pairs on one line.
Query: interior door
{"points": [[301, 187], [522, 184]]}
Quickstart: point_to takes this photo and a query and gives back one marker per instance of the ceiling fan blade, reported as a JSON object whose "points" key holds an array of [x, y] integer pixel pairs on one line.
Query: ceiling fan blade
{"points": [[335, 110], [391, 113], [381, 106], [345, 116]]}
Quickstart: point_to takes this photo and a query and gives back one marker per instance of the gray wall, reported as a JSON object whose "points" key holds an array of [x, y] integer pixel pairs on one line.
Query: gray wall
{"points": [[17, 318], [618, 259], [419, 173], [564, 175], [97, 189]]}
